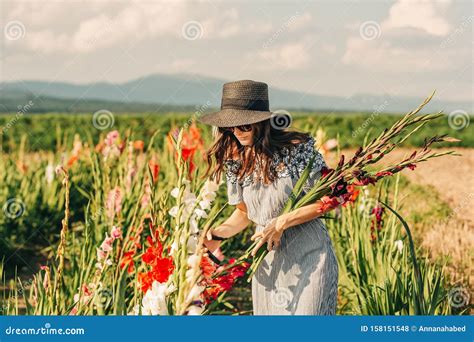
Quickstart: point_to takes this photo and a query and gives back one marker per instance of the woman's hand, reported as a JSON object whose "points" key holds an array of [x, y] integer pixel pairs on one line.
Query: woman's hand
{"points": [[271, 234], [212, 245]]}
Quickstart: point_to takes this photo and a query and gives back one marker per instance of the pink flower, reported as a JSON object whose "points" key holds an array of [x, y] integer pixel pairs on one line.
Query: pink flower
{"points": [[112, 138], [106, 245], [46, 277], [116, 232], [101, 254], [114, 202]]}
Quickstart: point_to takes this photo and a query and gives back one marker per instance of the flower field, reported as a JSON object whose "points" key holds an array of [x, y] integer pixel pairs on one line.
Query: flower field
{"points": [[112, 222]]}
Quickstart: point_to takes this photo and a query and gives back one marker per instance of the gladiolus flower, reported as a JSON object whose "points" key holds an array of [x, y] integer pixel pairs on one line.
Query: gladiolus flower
{"points": [[116, 232], [155, 170], [383, 174], [127, 261], [138, 145]]}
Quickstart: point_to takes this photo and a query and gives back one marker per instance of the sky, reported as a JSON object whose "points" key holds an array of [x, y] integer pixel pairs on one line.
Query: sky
{"points": [[332, 47]]}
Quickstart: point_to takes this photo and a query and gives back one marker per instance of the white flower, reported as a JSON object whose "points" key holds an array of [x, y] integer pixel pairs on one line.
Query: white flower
{"points": [[210, 186], [205, 205], [174, 248], [173, 211], [200, 213], [195, 310], [195, 293], [399, 245], [193, 261], [189, 198], [193, 225], [190, 274], [174, 192], [49, 173], [154, 300], [192, 244]]}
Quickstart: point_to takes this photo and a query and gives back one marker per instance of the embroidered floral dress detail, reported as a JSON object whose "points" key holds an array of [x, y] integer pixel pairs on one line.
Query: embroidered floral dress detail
{"points": [[288, 162]]}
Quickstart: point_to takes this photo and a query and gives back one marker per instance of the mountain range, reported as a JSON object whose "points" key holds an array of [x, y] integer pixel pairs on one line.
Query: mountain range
{"points": [[160, 92]]}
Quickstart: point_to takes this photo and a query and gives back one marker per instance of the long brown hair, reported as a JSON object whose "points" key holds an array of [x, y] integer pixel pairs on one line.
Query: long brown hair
{"points": [[266, 140]]}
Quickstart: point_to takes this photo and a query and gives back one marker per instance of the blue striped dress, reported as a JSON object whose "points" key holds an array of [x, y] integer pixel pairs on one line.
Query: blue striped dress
{"points": [[300, 277]]}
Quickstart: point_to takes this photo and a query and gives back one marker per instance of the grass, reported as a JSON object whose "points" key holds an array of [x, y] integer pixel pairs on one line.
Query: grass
{"points": [[50, 132]]}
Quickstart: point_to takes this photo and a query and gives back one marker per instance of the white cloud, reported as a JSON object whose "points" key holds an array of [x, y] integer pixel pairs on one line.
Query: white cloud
{"points": [[180, 65], [290, 56], [381, 55], [61, 27], [99, 27], [426, 15], [389, 47]]}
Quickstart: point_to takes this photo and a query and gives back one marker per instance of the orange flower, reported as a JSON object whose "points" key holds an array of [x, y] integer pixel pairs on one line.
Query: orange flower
{"points": [[72, 160], [155, 170], [127, 261], [138, 145], [190, 143]]}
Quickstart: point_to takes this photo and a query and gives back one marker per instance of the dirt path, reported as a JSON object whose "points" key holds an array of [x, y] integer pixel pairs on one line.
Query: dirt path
{"points": [[451, 176]]}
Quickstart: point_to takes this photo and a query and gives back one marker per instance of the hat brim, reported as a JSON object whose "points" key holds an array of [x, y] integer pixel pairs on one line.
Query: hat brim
{"points": [[234, 117]]}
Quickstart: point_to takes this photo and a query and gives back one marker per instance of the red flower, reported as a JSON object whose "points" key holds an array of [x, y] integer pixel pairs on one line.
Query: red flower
{"points": [[155, 170], [161, 267], [223, 283], [377, 221], [328, 203], [325, 171], [207, 267], [127, 261], [364, 180], [411, 166], [352, 193], [383, 174]]}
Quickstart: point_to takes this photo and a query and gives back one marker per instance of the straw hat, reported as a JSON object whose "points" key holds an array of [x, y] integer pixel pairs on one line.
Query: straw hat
{"points": [[243, 102]]}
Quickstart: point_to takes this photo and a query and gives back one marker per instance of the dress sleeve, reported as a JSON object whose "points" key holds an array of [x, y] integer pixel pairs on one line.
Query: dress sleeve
{"points": [[234, 189], [306, 152]]}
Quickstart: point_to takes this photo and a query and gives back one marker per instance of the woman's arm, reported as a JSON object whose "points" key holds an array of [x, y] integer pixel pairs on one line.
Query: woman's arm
{"points": [[236, 222], [305, 213], [273, 232]]}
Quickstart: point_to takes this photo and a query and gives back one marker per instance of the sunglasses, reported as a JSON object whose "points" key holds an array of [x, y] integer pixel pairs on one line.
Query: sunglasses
{"points": [[243, 128]]}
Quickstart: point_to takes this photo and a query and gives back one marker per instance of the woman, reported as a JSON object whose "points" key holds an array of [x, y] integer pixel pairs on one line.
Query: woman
{"points": [[262, 162]]}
